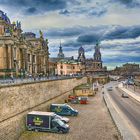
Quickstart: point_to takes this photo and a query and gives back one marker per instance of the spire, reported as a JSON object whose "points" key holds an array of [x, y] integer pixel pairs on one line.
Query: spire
{"points": [[60, 54]]}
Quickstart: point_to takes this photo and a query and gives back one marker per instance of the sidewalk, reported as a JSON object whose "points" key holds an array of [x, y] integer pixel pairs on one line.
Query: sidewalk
{"points": [[130, 92]]}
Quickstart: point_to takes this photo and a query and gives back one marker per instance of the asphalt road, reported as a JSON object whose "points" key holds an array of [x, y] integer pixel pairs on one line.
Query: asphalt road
{"points": [[129, 106]]}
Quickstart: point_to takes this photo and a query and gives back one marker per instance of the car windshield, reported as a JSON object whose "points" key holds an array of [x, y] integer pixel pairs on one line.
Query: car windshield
{"points": [[70, 107], [57, 116], [60, 122]]}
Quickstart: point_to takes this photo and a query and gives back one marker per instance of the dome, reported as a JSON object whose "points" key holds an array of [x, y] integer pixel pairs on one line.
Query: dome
{"points": [[4, 17], [81, 49]]}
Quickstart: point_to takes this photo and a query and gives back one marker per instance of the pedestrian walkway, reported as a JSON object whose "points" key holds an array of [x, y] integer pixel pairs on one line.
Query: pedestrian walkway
{"points": [[129, 91]]}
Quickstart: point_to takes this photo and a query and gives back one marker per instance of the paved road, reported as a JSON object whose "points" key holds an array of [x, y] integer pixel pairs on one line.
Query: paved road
{"points": [[129, 106]]}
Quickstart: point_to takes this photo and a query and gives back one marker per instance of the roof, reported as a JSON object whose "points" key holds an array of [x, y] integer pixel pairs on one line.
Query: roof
{"points": [[55, 59], [41, 113], [83, 86], [66, 61], [58, 104]]}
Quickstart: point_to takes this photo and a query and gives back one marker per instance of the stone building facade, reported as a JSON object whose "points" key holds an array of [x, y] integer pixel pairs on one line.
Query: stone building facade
{"points": [[68, 67], [21, 54], [128, 69]]}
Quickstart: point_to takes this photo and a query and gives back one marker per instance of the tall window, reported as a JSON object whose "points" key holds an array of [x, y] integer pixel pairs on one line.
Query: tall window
{"points": [[33, 58], [29, 60]]}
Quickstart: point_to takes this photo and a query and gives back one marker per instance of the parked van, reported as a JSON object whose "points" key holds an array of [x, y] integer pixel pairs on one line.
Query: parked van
{"points": [[45, 121], [63, 109]]}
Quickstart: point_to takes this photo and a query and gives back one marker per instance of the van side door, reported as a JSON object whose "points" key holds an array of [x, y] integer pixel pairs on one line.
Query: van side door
{"points": [[67, 110]]}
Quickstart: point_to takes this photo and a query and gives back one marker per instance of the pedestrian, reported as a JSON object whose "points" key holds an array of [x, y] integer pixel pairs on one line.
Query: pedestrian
{"points": [[12, 78]]}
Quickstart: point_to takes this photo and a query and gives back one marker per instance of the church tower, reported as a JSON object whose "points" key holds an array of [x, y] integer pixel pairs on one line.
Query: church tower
{"points": [[97, 54], [60, 54], [97, 57], [81, 54]]}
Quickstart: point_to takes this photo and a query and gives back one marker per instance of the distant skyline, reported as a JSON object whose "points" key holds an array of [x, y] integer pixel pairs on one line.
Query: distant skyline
{"points": [[115, 23]]}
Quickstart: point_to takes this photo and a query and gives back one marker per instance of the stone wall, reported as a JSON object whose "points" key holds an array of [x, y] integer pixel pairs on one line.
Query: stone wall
{"points": [[16, 101]]}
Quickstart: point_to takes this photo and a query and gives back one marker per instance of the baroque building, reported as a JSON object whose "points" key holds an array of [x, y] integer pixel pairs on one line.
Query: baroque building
{"points": [[21, 54], [92, 65], [54, 63]]}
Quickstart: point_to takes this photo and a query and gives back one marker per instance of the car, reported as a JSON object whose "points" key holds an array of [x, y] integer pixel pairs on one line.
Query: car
{"points": [[70, 97], [125, 96], [64, 119], [63, 110], [109, 88], [83, 100]]}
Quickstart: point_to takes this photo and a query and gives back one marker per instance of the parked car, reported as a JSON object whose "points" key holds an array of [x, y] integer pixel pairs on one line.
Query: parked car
{"points": [[109, 88], [125, 96], [83, 100], [71, 97], [63, 109], [45, 121], [75, 101]]}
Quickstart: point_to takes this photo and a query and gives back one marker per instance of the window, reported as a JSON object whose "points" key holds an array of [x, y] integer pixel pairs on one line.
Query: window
{"points": [[29, 60], [61, 66], [33, 58]]}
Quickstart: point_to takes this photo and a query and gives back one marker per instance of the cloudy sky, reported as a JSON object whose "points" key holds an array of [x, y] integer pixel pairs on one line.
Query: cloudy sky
{"points": [[115, 23]]}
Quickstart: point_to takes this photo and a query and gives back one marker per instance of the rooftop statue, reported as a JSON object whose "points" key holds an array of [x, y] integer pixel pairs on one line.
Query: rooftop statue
{"points": [[41, 34], [18, 24]]}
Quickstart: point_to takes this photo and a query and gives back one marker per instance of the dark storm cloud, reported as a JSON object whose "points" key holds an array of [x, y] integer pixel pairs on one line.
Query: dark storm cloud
{"points": [[129, 3], [31, 10], [72, 44], [120, 32], [90, 35], [75, 31], [29, 6], [110, 33], [88, 38], [66, 32]]}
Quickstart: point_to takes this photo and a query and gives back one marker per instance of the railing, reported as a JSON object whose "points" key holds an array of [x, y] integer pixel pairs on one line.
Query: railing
{"points": [[14, 81]]}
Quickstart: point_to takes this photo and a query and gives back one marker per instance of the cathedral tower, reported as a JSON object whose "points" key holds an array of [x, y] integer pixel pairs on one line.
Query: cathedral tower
{"points": [[81, 54], [97, 57]]}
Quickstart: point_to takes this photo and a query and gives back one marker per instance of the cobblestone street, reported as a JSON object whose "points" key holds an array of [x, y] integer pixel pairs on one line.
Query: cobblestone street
{"points": [[93, 123]]}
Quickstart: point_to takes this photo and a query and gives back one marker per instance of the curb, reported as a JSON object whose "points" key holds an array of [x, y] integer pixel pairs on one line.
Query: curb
{"points": [[112, 118]]}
